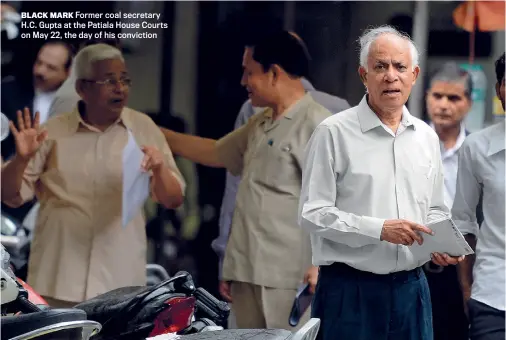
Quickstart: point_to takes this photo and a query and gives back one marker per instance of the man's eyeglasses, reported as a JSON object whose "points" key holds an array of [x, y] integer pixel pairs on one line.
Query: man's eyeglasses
{"points": [[111, 83]]}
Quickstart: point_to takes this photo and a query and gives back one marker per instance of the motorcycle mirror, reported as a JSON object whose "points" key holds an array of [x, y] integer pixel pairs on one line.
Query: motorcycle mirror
{"points": [[4, 127]]}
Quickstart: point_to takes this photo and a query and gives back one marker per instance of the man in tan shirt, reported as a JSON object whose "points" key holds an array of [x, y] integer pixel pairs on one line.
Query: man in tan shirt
{"points": [[268, 256], [74, 166]]}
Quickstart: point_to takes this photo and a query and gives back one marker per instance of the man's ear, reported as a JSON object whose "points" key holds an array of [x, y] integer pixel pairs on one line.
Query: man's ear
{"points": [[416, 72], [276, 73], [362, 72]]}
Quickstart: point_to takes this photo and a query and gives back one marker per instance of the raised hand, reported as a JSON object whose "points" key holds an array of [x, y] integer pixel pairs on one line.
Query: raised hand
{"points": [[28, 138]]}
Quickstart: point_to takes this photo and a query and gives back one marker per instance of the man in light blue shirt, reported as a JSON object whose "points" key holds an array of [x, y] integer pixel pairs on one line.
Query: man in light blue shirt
{"points": [[332, 103]]}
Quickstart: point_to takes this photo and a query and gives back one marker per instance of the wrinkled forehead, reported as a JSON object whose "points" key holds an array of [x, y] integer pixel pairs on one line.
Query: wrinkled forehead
{"points": [[390, 48], [109, 67]]}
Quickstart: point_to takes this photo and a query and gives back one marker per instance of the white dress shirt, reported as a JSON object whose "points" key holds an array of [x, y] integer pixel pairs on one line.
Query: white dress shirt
{"points": [[357, 174], [481, 169], [450, 158], [66, 97], [41, 103]]}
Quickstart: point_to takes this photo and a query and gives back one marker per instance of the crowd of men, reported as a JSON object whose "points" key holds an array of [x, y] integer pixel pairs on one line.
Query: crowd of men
{"points": [[317, 191]]}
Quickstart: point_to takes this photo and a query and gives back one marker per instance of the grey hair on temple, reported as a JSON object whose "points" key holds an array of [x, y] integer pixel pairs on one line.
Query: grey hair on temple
{"points": [[370, 35], [451, 72], [83, 62]]}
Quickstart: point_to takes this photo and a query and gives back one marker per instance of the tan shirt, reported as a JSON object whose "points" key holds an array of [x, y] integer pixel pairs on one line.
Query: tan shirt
{"points": [[80, 248], [266, 245]]}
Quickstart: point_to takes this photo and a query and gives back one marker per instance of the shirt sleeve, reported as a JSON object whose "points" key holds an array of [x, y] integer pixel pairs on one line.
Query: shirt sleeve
{"points": [[31, 176], [232, 147], [438, 209], [467, 195], [318, 213]]}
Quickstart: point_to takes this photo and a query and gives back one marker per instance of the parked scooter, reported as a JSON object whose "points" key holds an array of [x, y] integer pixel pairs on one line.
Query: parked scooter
{"points": [[173, 306]]}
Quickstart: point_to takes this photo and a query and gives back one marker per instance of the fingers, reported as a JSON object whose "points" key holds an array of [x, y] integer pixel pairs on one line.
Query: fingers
{"points": [[13, 129], [415, 236], [225, 291], [445, 259], [145, 162], [28, 118], [36, 122], [21, 123], [312, 286], [421, 228], [42, 136]]}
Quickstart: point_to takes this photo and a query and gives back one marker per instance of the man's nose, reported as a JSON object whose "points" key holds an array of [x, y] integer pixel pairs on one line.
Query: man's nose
{"points": [[243, 80], [391, 74]]}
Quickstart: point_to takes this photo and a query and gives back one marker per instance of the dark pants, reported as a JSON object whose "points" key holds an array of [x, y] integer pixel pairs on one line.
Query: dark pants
{"points": [[357, 305], [449, 320], [487, 323]]}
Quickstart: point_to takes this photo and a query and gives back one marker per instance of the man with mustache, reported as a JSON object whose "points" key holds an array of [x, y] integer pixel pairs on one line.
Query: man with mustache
{"points": [[74, 165], [481, 174], [448, 101]]}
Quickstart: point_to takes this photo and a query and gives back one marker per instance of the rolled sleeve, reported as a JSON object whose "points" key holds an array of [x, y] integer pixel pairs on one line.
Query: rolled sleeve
{"points": [[467, 195]]}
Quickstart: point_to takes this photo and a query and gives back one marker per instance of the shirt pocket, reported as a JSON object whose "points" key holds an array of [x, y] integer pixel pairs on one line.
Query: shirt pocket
{"points": [[282, 169]]}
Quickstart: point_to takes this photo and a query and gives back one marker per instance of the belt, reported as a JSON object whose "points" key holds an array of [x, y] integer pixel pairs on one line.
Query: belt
{"points": [[340, 268]]}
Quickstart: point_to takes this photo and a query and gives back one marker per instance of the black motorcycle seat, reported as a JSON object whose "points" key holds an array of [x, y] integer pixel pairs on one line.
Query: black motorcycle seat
{"points": [[115, 302], [13, 326]]}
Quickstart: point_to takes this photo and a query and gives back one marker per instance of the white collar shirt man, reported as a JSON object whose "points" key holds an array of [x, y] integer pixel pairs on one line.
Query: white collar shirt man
{"points": [[358, 174], [450, 158], [481, 170]]}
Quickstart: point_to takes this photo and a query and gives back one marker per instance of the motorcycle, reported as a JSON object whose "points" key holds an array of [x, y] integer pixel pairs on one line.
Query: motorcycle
{"points": [[173, 306]]}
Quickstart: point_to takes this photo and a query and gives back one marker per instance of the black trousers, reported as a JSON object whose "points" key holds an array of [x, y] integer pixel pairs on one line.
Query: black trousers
{"points": [[448, 317], [357, 305], [487, 323]]}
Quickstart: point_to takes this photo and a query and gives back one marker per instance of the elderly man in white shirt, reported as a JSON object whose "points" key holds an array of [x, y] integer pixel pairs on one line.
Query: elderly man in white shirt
{"points": [[448, 101], [372, 179], [481, 173]]}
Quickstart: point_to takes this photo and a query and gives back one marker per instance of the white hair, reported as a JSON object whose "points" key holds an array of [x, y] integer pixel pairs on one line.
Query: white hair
{"points": [[370, 35], [83, 62]]}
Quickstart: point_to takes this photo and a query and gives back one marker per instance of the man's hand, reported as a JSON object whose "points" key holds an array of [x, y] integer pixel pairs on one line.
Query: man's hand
{"points": [[445, 259], [403, 232], [153, 159], [28, 138], [311, 277], [224, 289]]}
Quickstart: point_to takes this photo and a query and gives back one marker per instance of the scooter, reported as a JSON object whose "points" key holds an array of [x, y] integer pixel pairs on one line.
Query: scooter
{"points": [[173, 306]]}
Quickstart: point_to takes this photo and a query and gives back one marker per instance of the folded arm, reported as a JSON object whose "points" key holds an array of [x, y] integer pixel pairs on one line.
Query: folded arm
{"points": [[318, 213]]}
